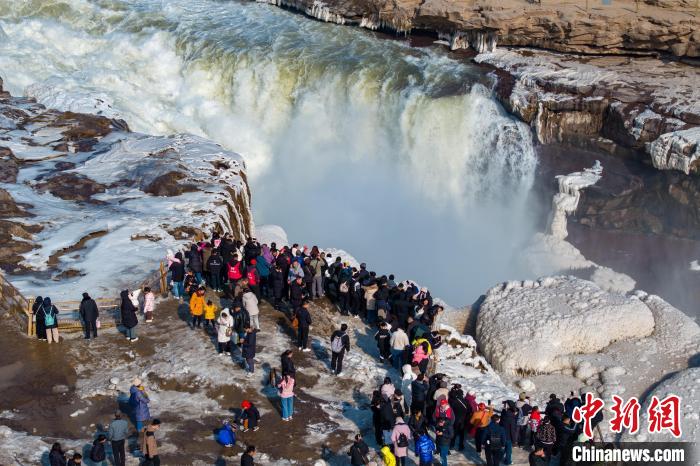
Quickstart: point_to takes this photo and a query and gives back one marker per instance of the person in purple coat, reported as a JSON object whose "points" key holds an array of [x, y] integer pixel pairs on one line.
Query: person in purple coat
{"points": [[139, 400]]}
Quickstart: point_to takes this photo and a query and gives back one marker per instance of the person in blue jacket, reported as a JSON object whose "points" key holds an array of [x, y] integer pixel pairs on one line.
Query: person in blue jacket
{"points": [[139, 402], [263, 267], [226, 436], [425, 448]]}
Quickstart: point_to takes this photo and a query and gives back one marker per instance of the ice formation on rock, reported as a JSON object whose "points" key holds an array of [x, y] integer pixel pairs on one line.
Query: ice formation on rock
{"points": [[686, 385], [103, 204], [535, 327]]}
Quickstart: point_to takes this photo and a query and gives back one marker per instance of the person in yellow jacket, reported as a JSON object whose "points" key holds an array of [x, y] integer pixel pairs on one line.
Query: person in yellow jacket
{"points": [[197, 308], [418, 341], [479, 421], [387, 456], [209, 313]]}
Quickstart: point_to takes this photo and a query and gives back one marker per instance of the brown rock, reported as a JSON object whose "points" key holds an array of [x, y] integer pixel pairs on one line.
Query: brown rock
{"points": [[169, 185], [71, 186]]}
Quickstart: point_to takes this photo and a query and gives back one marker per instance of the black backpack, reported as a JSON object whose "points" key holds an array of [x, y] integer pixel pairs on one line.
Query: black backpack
{"points": [[494, 441], [97, 453], [402, 441]]}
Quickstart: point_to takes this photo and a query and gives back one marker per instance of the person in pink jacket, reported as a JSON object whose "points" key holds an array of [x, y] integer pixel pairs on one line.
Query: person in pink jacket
{"points": [[286, 388], [420, 357], [399, 437], [149, 303]]}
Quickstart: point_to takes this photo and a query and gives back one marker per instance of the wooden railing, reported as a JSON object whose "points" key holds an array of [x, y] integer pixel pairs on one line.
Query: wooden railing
{"points": [[12, 300], [15, 303]]}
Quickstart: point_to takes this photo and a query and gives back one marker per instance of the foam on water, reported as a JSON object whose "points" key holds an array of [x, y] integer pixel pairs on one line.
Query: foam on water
{"points": [[397, 154]]}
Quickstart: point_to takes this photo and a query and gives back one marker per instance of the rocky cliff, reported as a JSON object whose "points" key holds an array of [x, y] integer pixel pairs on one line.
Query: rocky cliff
{"points": [[591, 26], [86, 204]]}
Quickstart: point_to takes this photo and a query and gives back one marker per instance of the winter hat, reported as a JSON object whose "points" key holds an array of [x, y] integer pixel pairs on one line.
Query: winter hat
{"points": [[86, 296], [471, 393], [136, 382], [481, 406], [522, 396], [246, 404], [253, 262]]}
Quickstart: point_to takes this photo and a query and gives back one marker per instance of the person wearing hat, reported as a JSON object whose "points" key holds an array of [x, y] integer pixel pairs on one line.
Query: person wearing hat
{"points": [[479, 420], [138, 399], [250, 416], [89, 314]]}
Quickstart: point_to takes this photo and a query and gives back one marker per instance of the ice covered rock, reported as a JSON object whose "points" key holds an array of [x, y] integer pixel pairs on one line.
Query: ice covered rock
{"points": [[685, 385], [103, 202], [526, 385], [609, 280], [539, 329]]}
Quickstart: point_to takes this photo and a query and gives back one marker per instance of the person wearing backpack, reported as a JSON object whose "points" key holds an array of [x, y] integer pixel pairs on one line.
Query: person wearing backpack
{"points": [[399, 437], [359, 452], [493, 441], [51, 320], [286, 389], [340, 343], [425, 449], [97, 452]]}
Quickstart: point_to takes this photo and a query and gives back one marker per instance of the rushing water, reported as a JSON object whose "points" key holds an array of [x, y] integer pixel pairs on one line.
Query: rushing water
{"points": [[398, 155]]}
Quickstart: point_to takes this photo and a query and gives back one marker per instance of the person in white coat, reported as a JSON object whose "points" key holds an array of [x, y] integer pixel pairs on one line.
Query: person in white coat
{"points": [[398, 342], [149, 303], [250, 303], [224, 330]]}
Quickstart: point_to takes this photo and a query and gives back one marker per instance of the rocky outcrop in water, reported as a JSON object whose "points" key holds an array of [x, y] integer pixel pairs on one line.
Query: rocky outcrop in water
{"points": [[620, 27], [100, 203]]}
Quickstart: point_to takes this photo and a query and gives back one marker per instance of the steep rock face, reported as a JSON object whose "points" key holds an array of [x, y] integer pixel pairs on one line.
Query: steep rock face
{"points": [[641, 108], [624, 26], [100, 205]]}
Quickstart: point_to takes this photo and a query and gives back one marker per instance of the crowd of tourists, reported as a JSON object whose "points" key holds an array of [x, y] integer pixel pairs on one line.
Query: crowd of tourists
{"points": [[418, 410]]}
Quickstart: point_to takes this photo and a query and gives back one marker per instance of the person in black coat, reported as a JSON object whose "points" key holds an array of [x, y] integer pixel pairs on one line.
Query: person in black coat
{"points": [[56, 456], [40, 318], [376, 407], [493, 441], [215, 264], [510, 426], [555, 408], [304, 321], [287, 364], [89, 314], [195, 264], [248, 458], [337, 357], [359, 452], [277, 279], [128, 314], [177, 275], [296, 293], [419, 393], [248, 349], [459, 407]]}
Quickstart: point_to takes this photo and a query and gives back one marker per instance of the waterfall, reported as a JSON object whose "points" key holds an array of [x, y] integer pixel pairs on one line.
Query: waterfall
{"points": [[332, 119]]}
